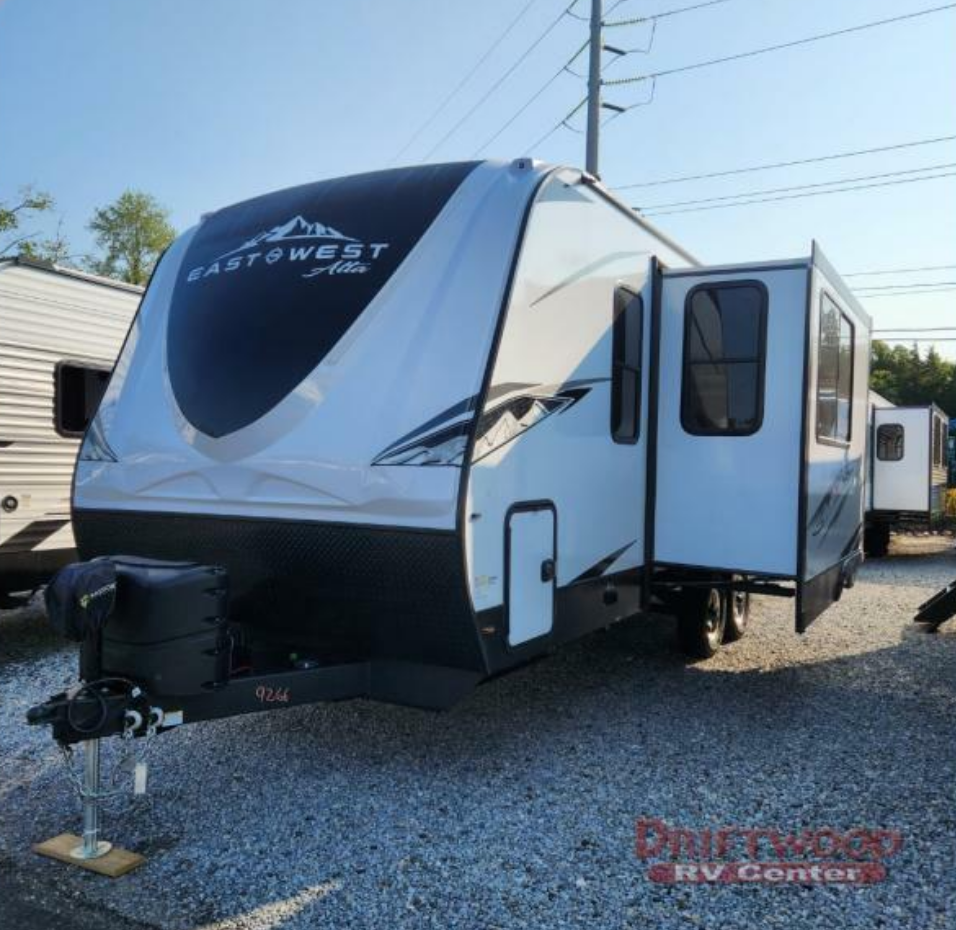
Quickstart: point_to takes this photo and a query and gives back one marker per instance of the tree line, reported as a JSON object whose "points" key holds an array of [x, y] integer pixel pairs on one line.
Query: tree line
{"points": [[904, 376], [130, 234]]}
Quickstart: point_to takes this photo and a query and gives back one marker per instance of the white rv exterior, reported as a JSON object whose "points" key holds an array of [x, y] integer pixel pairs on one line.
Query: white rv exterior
{"points": [[907, 473], [438, 420], [60, 332]]}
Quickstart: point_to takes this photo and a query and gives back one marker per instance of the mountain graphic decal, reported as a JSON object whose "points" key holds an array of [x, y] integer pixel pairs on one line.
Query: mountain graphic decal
{"points": [[296, 228]]}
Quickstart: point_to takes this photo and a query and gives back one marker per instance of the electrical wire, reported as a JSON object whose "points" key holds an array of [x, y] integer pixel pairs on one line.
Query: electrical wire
{"points": [[787, 164], [663, 15], [895, 287], [860, 274], [529, 101], [779, 47], [504, 77], [471, 73], [918, 329], [941, 290], [800, 187], [557, 126], [839, 190]]}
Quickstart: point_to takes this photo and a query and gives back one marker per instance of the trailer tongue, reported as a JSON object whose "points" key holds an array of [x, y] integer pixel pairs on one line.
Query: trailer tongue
{"points": [[158, 650]]}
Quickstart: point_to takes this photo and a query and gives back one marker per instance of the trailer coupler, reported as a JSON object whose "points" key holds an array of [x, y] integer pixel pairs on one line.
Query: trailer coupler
{"points": [[96, 710]]}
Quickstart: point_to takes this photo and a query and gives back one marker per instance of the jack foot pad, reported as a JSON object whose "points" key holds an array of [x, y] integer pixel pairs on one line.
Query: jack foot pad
{"points": [[113, 863]]}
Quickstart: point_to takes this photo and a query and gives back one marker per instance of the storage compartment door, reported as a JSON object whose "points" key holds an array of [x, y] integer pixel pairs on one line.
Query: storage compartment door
{"points": [[530, 558]]}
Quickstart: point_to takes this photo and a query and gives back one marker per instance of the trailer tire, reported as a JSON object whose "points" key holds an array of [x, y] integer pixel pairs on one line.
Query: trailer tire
{"points": [[701, 622], [738, 615], [876, 540]]}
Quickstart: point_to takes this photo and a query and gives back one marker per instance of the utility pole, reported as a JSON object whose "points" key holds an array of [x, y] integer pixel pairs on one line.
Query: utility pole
{"points": [[594, 90]]}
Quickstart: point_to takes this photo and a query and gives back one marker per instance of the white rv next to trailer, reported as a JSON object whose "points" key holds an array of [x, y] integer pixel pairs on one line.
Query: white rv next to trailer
{"points": [[428, 423], [907, 473], [60, 332]]}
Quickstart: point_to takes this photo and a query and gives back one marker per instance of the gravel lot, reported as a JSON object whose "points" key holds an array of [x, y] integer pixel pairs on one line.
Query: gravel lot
{"points": [[518, 808]]}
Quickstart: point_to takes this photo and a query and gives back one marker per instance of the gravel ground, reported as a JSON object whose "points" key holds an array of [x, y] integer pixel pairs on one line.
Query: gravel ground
{"points": [[518, 808]]}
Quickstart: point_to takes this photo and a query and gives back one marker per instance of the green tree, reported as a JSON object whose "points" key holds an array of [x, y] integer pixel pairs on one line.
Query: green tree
{"points": [[29, 203], [132, 233], [903, 376], [56, 249]]}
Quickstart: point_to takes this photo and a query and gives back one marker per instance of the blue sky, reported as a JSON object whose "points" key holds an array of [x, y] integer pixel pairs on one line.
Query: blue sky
{"points": [[205, 103]]}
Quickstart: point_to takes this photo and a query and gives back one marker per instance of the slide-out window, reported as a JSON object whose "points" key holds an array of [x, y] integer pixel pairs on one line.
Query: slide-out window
{"points": [[937, 442], [889, 442], [627, 345], [725, 336], [834, 374], [78, 390]]}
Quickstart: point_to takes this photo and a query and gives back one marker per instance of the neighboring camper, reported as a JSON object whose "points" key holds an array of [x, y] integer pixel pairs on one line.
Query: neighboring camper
{"points": [[60, 332], [434, 421], [906, 477]]}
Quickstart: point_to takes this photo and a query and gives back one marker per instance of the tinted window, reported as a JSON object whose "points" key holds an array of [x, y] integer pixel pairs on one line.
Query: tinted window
{"points": [[626, 365], [937, 442], [834, 373], [725, 331], [269, 286], [889, 442], [78, 390]]}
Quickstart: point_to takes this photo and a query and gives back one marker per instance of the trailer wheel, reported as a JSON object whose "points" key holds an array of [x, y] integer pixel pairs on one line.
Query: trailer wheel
{"points": [[738, 615], [876, 540], [701, 622]]}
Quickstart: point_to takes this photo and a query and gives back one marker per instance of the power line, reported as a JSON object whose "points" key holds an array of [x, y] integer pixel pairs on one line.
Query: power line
{"points": [[786, 164], [918, 329], [530, 100], [783, 45], [941, 290], [558, 125], [800, 187], [918, 339], [504, 77], [860, 274], [454, 91], [896, 287], [838, 190], [656, 16]]}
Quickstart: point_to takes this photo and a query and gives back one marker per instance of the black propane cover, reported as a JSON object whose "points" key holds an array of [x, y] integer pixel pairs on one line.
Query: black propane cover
{"points": [[168, 632]]}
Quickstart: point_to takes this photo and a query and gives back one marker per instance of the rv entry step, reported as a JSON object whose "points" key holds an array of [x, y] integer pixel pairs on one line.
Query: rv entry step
{"points": [[939, 608]]}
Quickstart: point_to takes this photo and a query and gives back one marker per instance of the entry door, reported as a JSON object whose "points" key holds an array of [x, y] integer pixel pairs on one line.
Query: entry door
{"points": [[530, 555], [901, 458]]}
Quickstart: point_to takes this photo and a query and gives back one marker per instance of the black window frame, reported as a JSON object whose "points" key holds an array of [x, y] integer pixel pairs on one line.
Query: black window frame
{"points": [[901, 442], [760, 360], [939, 457], [833, 440], [58, 376], [624, 297]]}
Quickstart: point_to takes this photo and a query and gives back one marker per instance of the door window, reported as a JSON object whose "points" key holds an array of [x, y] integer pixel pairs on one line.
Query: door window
{"points": [[725, 335], [889, 442]]}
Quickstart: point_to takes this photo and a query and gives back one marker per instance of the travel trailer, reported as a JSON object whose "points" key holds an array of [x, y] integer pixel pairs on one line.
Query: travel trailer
{"points": [[60, 332], [907, 473], [391, 435]]}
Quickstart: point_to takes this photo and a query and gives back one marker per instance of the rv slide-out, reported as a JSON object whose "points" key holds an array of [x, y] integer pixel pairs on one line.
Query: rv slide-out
{"points": [[907, 473]]}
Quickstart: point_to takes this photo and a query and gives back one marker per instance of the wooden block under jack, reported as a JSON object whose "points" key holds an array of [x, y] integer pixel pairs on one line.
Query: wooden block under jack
{"points": [[113, 864]]}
